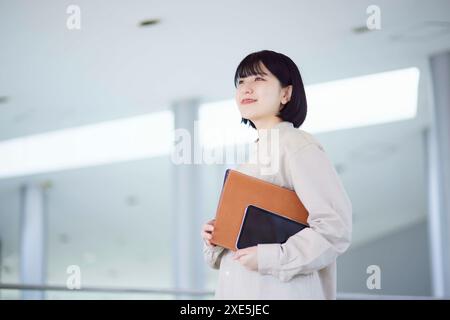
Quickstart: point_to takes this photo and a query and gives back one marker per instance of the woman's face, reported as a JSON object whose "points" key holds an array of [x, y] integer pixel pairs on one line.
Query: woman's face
{"points": [[260, 96]]}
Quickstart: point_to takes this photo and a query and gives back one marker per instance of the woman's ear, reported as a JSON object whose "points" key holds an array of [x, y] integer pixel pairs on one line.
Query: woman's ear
{"points": [[287, 92], [286, 97]]}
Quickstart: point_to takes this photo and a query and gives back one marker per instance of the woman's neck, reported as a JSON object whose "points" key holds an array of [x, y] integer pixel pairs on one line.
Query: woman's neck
{"points": [[267, 123]]}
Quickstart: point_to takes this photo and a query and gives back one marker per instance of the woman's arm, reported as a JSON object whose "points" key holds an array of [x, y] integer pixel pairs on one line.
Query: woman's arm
{"points": [[318, 186]]}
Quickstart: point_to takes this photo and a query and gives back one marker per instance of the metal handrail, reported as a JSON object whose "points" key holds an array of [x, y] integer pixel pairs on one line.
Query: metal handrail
{"points": [[10, 286], [365, 296], [340, 296]]}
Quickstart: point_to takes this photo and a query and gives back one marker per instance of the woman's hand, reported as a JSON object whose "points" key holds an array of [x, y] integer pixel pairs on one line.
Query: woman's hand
{"points": [[206, 233], [248, 257]]}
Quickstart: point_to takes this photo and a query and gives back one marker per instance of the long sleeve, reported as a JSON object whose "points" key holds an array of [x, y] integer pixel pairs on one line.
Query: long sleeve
{"points": [[318, 186], [212, 255]]}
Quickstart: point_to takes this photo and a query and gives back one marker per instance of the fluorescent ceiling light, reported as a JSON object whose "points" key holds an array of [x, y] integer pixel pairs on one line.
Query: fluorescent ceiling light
{"points": [[113, 141], [348, 103], [362, 101]]}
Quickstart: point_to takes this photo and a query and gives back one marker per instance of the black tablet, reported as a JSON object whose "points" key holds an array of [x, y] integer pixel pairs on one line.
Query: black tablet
{"points": [[261, 226]]}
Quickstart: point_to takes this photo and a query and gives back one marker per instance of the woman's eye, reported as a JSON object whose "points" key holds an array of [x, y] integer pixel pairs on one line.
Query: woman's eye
{"points": [[257, 78]]}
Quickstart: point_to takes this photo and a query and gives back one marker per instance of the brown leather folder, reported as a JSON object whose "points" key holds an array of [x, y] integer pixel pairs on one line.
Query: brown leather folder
{"points": [[238, 192]]}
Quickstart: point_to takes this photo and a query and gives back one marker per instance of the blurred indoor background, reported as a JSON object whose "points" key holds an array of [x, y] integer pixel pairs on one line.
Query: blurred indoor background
{"points": [[90, 95]]}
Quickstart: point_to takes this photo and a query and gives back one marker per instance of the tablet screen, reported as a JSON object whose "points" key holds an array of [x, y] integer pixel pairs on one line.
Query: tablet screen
{"points": [[261, 226]]}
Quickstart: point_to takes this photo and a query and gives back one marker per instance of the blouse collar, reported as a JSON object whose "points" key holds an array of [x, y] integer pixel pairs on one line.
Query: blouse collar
{"points": [[283, 125]]}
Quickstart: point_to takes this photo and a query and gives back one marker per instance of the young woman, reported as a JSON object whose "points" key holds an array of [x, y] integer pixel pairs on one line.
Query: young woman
{"points": [[270, 95]]}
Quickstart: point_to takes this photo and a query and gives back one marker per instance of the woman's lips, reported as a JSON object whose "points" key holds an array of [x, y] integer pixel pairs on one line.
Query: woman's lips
{"points": [[247, 101]]}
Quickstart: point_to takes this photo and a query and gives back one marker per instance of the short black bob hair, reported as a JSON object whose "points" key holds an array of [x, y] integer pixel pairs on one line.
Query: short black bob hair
{"points": [[286, 71]]}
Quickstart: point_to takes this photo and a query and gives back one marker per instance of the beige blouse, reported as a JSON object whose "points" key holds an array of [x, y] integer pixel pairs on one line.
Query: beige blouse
{"points": [[304, 267]]}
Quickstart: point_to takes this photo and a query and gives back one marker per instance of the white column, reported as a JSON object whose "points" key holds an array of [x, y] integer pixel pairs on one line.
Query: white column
{"points": [[438, 143], [32, 241], [189, 269]]}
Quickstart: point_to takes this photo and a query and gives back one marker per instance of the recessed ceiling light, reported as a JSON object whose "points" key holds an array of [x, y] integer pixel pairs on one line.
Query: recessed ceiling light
{"points": [[149, 22], [360, 29], [4, 99], [423, 31], [132, 201]]}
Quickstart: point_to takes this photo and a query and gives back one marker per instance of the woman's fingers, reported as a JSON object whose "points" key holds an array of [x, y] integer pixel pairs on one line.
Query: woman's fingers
{"points": [[206, 232], [238, 254], [208, 225], [206, 235], [243, 252]]}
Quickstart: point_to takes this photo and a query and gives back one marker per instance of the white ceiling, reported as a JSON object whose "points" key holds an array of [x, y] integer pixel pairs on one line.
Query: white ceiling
{"points": [[55, 78], [111, 68]]}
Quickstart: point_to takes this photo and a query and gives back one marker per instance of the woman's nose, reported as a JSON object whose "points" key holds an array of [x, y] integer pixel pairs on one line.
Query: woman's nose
{"points": [[247, 89]]}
